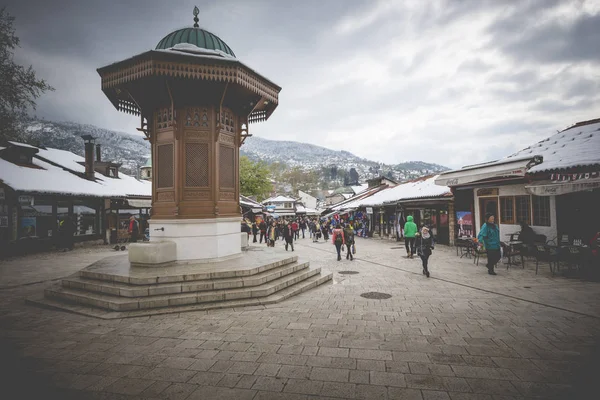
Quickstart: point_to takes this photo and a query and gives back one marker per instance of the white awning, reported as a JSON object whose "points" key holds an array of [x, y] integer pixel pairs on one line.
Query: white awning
{"points": [[516, 168], [548, 188], [139, 203]]}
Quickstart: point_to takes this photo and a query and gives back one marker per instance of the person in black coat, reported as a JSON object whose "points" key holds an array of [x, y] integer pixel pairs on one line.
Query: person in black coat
{"points": [[263, 231], [424, 245], [66, 231], [254, 231], [288, 235]]}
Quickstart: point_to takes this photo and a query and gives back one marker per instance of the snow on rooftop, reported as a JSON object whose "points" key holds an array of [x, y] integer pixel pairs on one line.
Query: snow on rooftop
{"points": [[574, 147], [418, 188], [415, 189], [279, 199], [360, 188], [53, 179], [62, 157], [49, 179]]}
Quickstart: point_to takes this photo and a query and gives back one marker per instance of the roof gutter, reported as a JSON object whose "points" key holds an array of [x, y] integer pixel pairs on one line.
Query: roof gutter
{"points": [[507, 168]]}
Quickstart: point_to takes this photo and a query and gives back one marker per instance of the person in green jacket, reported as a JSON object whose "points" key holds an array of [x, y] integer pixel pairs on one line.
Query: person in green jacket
{"points": [[410, 230], [489, 235]]}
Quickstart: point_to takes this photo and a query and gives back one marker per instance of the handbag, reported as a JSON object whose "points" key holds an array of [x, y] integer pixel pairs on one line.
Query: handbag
{"points": [[353, 248]]}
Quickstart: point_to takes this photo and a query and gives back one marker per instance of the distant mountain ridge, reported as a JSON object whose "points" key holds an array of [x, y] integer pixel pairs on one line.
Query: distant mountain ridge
{"points": [[133, 151], [312, 157]]}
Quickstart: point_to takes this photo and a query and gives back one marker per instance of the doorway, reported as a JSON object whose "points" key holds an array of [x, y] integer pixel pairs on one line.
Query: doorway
{"points": [[487, 205]]}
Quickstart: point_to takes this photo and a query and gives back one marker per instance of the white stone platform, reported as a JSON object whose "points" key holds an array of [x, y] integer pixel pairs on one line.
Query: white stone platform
{"points": [[113, 288]]}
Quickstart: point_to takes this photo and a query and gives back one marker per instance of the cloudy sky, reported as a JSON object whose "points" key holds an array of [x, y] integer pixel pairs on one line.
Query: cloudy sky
{"points": [[452, 82]]}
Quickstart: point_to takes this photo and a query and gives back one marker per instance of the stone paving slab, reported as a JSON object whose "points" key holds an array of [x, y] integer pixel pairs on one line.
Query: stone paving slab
{"points": [[460, 334]]}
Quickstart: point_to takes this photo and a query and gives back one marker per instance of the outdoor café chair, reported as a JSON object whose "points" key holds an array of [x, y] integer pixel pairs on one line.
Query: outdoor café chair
{"points": [[511, 252], [545, 253]]}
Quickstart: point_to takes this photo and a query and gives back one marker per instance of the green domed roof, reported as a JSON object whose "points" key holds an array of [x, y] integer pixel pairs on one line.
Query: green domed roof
{"points": [[197, 37]]}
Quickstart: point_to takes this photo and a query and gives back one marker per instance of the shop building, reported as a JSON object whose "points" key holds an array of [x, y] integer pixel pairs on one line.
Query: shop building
{"points": [[553, 186], [40, 187], [281, 206]]}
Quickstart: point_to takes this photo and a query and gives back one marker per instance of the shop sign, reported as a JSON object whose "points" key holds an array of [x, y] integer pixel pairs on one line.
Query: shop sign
{"points": [[369, 210], [487, 192], [257, 210], [3, 221], [2, 195], [26, 200], [574, 177]]}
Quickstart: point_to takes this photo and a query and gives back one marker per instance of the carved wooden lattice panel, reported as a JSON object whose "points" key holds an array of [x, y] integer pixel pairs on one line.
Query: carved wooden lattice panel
{"points": [[226, 167], [164, 173], [196, 164], [163, 118], [196, 117]]}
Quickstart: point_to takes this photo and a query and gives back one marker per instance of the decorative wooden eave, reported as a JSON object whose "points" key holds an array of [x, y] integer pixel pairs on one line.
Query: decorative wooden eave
{"points": [[185, 65]]}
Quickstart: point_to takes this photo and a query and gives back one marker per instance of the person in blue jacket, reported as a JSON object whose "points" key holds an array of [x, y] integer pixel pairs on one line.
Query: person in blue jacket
{"points": [[489, 235]]}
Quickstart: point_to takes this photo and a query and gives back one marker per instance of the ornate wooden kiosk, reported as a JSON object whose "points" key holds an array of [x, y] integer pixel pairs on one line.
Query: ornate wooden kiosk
{"points": [[195, 100]]}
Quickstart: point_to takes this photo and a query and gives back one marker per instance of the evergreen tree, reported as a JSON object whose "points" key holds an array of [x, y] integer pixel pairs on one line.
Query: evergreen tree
{"points": [[19, 86]]}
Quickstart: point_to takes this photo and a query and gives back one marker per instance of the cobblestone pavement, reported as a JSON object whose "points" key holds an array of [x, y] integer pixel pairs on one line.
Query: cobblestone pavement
{"points": [[460, 334]]}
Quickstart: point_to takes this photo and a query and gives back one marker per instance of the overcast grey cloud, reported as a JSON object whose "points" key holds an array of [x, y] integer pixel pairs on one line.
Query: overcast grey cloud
{"points": [[446, 81]]}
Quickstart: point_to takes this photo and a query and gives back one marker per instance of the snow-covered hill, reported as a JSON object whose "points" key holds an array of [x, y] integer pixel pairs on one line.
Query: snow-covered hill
{"points": [[133, 151], [312, 157]]}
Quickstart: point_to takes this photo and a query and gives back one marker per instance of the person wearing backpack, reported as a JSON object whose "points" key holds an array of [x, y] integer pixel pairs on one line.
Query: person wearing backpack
{"points": [[410, 230], [349, 237], [338, 241], [424, 245], [134, 229]]}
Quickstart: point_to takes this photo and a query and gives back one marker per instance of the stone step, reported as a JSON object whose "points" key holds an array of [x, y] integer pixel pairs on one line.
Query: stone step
{"points": [[279, 296], [116, 303], [121, 272], [127, 290]]}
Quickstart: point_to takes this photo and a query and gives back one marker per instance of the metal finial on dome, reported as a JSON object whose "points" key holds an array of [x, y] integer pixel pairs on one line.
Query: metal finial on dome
{"points": [[196, 12]]}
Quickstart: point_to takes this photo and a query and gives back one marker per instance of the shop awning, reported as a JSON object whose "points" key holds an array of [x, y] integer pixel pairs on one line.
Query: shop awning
{"points": [[506, 168], [139, 203], [549, 188]]}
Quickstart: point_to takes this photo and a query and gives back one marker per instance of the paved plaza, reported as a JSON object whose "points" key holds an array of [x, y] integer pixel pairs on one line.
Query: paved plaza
{"points": [[460, 334]]}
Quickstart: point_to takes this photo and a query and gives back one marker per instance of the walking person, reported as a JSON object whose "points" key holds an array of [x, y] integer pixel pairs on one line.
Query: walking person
{"points": [[325, 230], [288, 235], [271, 235], [338, 241], [296, 228], [489, 235], [349, 238], [254, 232], [424, 244], [303, 227], [66, 230], [134, 229], [263, 231], [410, 230]]}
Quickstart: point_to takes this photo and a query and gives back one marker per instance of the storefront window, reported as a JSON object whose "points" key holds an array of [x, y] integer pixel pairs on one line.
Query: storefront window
{"points": [[507, 215], [36, 219], [523, 209], [541, 210], [85, 215]]}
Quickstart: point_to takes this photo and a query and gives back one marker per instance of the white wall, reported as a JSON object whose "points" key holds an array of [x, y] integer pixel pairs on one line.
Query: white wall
{"points": [[518, 190]]}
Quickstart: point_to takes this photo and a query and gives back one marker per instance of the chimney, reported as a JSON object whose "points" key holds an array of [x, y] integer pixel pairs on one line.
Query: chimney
{"points": [[98, 153], [88, 141]]}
